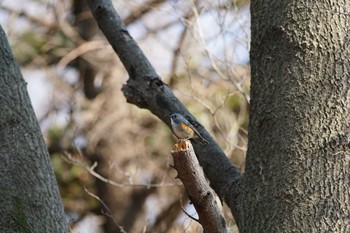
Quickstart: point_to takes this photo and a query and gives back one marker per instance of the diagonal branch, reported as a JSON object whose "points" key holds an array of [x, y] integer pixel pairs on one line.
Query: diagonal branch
{"points": [[210, 215], [145, 89]]}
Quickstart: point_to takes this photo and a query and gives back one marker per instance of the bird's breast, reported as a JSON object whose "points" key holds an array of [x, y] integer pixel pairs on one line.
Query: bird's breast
{"points": [[182, 131]]}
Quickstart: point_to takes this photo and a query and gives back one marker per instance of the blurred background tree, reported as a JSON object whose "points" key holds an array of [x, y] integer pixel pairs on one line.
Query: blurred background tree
{"points": [[112, 159]]}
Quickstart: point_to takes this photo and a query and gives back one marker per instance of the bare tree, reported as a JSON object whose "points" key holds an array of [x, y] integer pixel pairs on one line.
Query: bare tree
{"points": [[297, 170]]}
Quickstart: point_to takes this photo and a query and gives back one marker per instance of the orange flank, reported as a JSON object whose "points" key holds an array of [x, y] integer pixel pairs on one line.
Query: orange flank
{"points": [[188, 129]]}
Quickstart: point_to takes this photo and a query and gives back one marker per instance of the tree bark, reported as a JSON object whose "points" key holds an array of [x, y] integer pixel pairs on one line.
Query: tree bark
{"points": [[298, 161], [29, 196]]}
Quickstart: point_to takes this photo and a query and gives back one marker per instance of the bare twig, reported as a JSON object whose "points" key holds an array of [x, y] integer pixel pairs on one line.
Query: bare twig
{"points": [[109, 213], [177, 54], [91, 169], [36, 19], [211, 57], [83, 48], [190, 216], [169, 214], [137, 13]]}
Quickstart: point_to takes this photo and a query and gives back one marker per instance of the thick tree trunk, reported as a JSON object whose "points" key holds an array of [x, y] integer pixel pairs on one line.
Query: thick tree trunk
{"points": [[298, 163], [29, 196]]}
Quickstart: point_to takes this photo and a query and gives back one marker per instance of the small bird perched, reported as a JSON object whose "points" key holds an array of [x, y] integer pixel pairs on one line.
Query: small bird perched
{"points": [[183, 129]]}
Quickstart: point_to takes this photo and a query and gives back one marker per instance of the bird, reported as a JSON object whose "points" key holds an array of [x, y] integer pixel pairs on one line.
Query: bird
{"points": [[183, 129]]}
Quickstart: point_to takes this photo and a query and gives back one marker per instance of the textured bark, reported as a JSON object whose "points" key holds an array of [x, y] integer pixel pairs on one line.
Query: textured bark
{"points": [[29, 196], [298, 162], [146, 90]]}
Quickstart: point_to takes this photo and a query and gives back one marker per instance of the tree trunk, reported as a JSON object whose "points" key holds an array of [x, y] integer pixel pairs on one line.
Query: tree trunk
{"points": [[298, 162], [29, 196]]}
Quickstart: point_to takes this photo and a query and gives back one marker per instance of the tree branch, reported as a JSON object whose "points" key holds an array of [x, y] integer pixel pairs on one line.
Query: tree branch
{"points": [[145, 89], [198, 190]]}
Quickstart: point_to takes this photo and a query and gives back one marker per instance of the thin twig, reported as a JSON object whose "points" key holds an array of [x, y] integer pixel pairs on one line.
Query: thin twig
{"points": [[77, 52], [33, 18], [190, 216], [91, 170], [107, 209], [211, 58], [137, 13]]}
